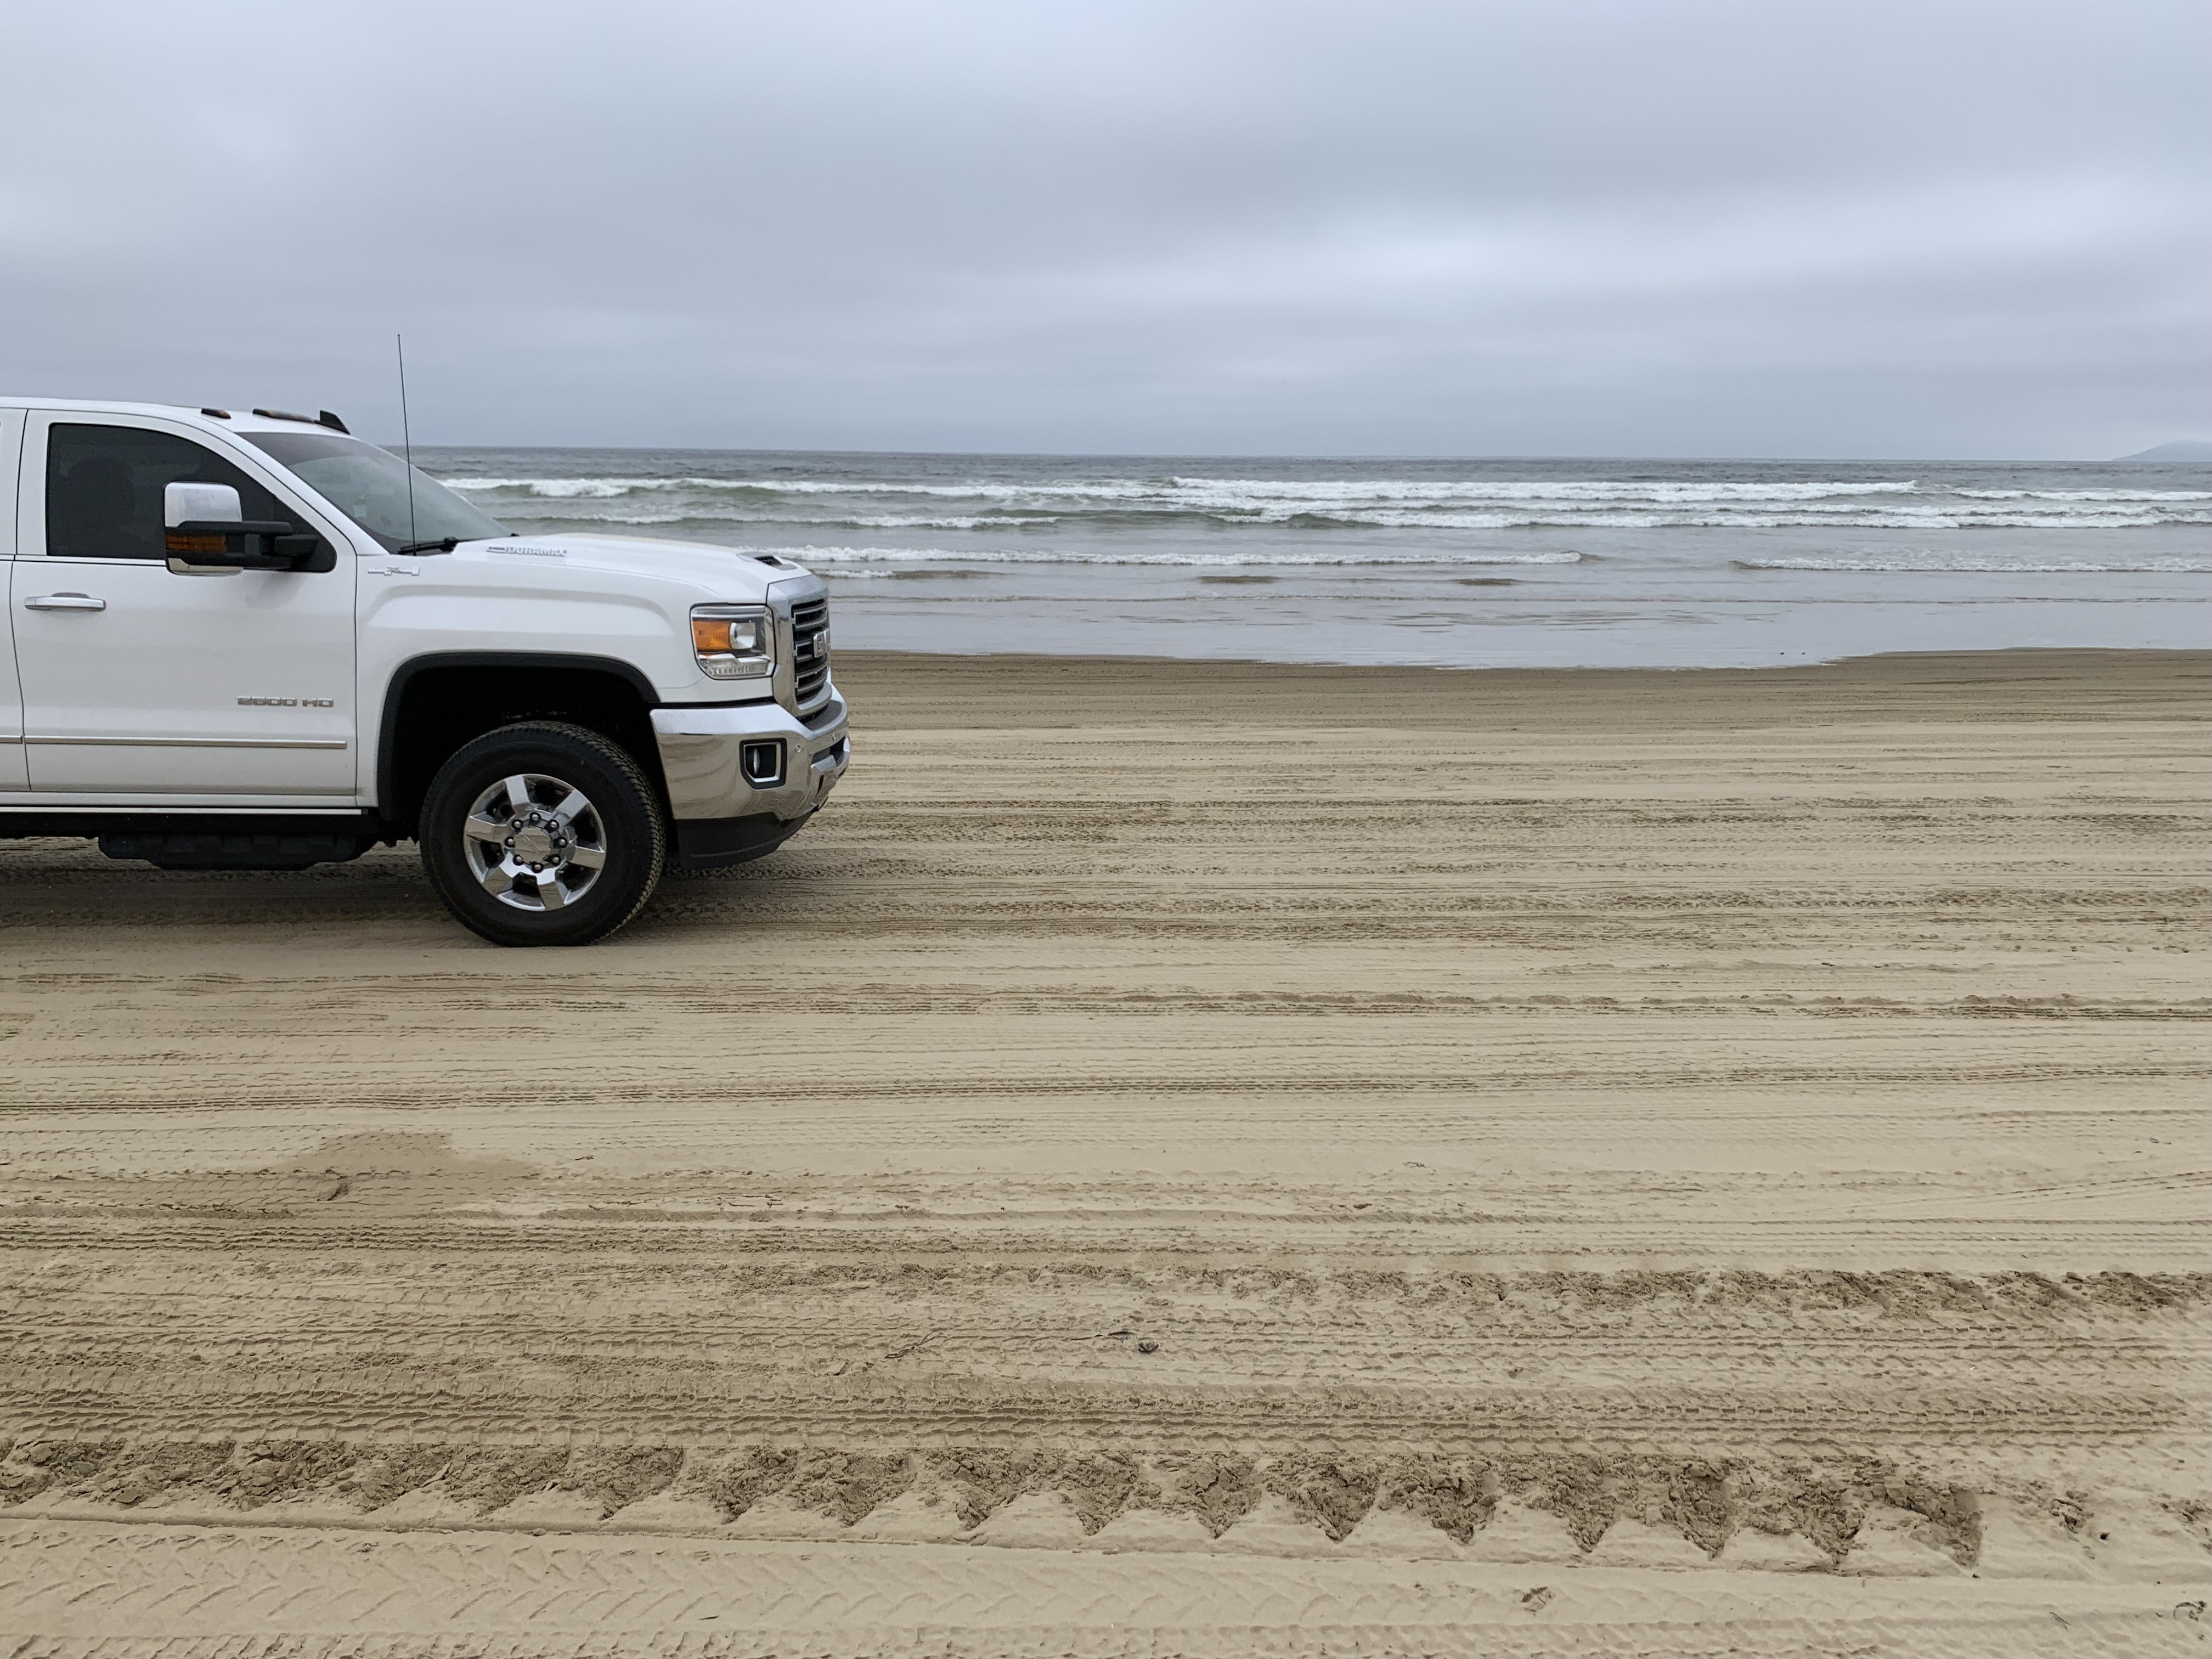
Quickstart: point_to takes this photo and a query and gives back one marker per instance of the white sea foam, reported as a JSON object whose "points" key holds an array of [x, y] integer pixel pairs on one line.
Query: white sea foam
{"points": [[1938, 563], [588, 515], [1590, 489], [2087, 495], [1811, 517], [1241, 492], [556, 488], [1408, 552], [1089, 555], [974, 521], [559, 488]]}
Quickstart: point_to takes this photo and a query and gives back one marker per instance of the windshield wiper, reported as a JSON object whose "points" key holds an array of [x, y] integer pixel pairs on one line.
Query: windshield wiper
{"points": [[447, 545]]}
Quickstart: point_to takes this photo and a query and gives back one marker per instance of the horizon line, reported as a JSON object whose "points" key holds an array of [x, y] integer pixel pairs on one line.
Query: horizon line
{"points": [[1333, 455]]}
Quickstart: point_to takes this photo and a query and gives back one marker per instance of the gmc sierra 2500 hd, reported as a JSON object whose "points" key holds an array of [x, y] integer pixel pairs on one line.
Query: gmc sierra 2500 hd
{"points": [[253, 642]]}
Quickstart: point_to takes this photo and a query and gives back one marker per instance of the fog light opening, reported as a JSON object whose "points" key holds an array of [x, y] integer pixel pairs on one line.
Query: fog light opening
{"points": [[761, 763]]}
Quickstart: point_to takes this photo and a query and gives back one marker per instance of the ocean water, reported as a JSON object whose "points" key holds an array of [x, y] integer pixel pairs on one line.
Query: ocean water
{"points": [[1459, 563]]}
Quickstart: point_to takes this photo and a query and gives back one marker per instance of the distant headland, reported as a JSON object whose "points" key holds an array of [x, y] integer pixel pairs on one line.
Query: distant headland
{"points": [[2184, 449]]}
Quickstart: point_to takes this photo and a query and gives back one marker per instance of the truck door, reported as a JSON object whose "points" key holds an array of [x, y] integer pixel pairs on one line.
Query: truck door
{"points": [[144, 678], [13, 773]]}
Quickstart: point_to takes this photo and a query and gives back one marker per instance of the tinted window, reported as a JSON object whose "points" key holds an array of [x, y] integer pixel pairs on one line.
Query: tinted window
{"points": [[394, 502], [104, 488]]}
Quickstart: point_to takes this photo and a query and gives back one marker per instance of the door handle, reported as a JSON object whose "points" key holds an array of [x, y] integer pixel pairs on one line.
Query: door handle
{"points": [[64, 601]]}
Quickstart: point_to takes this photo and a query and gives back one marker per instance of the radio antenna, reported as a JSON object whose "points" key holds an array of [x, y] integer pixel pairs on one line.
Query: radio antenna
{"points": [[406, 436]]}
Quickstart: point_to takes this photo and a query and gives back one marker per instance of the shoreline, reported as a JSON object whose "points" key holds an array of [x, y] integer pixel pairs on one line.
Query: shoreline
{"points": [[897, 688], [2018, 652]]}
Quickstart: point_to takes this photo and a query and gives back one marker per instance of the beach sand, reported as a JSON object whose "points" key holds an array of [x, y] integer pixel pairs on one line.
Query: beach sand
{"points": [[1181, 1158]]}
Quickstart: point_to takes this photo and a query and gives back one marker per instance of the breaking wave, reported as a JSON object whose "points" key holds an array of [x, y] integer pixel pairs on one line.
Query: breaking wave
{"points": [[1087, 556], [1939, 563], [1368, 504]]}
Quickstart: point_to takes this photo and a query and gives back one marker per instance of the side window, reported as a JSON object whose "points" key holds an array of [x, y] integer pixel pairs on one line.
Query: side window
{"points": [[104, 488]]}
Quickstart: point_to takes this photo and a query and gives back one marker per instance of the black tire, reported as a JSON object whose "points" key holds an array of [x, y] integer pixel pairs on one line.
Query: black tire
{"points": [[468, 856]]}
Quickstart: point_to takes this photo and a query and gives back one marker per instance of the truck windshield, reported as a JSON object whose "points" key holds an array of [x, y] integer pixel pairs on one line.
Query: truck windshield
{"points": [[369, 486]]}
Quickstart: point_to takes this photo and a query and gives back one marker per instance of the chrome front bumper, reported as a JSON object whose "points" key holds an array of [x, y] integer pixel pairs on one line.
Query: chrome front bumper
{"points": [[700, 749]]}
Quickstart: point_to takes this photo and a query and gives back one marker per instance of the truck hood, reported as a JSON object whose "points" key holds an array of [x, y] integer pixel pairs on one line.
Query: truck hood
{"points": [[720, 572]]}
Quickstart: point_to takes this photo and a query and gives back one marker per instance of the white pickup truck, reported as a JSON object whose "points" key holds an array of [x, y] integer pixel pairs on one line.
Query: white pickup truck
{"points": [[253, 642]]}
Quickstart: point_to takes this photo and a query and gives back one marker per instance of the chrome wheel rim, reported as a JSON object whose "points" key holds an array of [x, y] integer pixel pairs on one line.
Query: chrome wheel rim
{"points": [[534, 841]]}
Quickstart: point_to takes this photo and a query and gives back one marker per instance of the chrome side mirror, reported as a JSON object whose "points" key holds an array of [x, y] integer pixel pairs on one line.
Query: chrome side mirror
{"points": [[202, 506], [183, 503], [200, 523]]}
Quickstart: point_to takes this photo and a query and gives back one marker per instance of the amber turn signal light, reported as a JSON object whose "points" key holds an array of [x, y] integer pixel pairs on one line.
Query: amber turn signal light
{"points": [[734, 636]]}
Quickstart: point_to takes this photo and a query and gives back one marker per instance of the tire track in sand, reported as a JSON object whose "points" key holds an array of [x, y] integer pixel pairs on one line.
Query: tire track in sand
{"points": [[1680, 1122]]}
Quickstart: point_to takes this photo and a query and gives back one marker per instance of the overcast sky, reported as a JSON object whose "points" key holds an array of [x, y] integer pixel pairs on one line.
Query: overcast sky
{"points": [[1369, 226]]}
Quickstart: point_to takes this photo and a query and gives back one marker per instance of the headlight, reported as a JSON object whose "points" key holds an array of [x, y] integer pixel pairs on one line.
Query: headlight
{"points": [[732, 642]]}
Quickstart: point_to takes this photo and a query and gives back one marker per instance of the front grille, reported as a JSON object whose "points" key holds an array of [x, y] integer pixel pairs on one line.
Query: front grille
{"points": [[809, 650]]}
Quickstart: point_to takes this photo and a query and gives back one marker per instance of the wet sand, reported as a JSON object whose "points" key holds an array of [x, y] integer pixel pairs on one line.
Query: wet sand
{"points": [[1182, 1157]]}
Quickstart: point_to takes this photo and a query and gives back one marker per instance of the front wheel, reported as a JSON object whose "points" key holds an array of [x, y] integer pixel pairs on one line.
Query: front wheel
{"points": [[543, 834]]}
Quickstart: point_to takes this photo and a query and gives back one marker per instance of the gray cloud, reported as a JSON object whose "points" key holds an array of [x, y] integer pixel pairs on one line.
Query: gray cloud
{"points": [[1590, 226]]}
